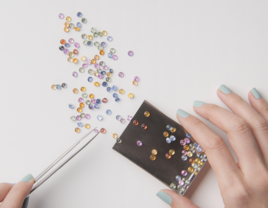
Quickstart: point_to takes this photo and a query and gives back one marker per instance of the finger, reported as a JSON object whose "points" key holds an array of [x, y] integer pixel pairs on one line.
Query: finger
{"points": [[255, 121], [239, 134], [175, 200], [218, 154], [18, 193], [4, 189]]}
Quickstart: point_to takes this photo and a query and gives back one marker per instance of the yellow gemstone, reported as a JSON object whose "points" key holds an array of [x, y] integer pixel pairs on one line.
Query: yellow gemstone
{"points": [[77, 29], [87, 126], [115, 135], [79, 110], [201, 164], [152, 157], [68, 19], [147, 114], [96, 57], [197, 160], [93, 61], [53, 87], [66, 29], [75, 60], [135, 83], [154, 152], [195, 173], [83, 89], [190, 169], [104, 33], [130, 95], [90, 37], [165, 133], [97, 84], [186, 147], [70, 54], [109, 74], [172, 151], [75, 91], [66, 24], [96, 73], [173, 130], [82, 105], [121, 91], [189, 154], [91, 96], [77, 130], [83, 58]]}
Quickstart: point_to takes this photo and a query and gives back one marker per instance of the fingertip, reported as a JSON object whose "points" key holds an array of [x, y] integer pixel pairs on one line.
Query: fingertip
{"points": [[255, 93], [183, 114], [27, 178], [164, 197]]}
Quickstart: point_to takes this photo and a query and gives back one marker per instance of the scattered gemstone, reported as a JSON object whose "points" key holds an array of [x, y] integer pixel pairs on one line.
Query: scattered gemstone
{"points": [[122, 120], [73, 118], [78, 118], [115, 136], [109, 89], [168, 156], [99, 117], [79, 14], [168, 140], [84, 20], [187, 140], [147, 114], [77, 130], [144, 126], [135, 122], [108, 112], [104, 100], [184, 157], [115, 57], [103, 130], [130, 53], [87, 126], [188, 135], [80, 124], [165, 134], [118, 117], [152, 157], [184, 173], [71, 106], [117, 99], [129, 118], [173, 138], [139, 143], [87, 116], [178, 178], [154, 152], [182, 142], [77, 45], [61, 16], [172, 151], [110, 39], [184, 152], [121, 74], [115, 95], [136, 79]]}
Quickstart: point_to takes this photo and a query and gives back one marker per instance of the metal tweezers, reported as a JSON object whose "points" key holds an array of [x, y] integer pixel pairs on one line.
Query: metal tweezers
{"points": [[36, 185]]}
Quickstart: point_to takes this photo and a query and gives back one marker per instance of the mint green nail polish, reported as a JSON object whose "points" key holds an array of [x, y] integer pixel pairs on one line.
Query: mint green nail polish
{"points": [[27, 178], [225, 89], [256, 93], [198, 103], [165, 197], [182, 113]]}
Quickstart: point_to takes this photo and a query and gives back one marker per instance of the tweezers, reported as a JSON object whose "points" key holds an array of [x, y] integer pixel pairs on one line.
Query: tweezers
{"points": [[36, 185]]}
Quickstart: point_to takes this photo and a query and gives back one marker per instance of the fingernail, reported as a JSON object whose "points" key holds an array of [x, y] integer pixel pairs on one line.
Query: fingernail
{"points": [[225, 89], [256, 93], [27, 178], [182, 113], [165, 197], [198, 103], [25, 203]]}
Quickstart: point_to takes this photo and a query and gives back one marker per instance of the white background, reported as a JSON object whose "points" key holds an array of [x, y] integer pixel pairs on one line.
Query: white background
{"points": [[184, 50]]}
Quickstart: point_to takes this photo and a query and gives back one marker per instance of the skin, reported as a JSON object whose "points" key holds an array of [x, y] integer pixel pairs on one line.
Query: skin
{"points": [[246, 126]]}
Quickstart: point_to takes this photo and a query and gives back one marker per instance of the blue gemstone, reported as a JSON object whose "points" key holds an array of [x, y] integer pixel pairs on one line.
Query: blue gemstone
{"points": [[110, 55], [111, 71], [173, 138], [117, 99], [199, 149], [71, 106], [103, 73], [109, 38], [168, 127], [80, 124], [103, 44], [188, 135], [118, 117], [109, 89], [98, 101], [99, 117], [58, 86], [79, 14], [96, 106], [108, 112], [90, 79], [78, 24], [115, 95], [90, 106], [89, 43], [168, 140], [67, 45], [104, 84], [114, 88], [196, 144], [61, 48]]}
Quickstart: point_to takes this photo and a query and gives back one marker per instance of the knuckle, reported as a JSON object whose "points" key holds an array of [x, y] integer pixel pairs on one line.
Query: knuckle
{"points": [[216, 144], [260, 124], [239, 125]]}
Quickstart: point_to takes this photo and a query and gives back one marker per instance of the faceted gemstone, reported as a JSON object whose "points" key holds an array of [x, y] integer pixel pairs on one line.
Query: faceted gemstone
{"points": [[100, 76], [78, 118], [197, 160], [69, 59], [96, 57], [62, 41], [75, 60], [68, 19], [135, 122], [97, 84], [190, 169], [66, 51], [104, 84], [103, 130], [139, 143], [75, 74], [93, 101], [115, 136], [70, 54], [80, 124], [117, 99], [75, 91], [119, 140], [99, 117], [129, 118], [103, 72], [84, 95], [90, 79], [137, 79], [168, 127], [177, 177], [184, 173], [91, 96], [84, 65], [135, 83], [121, 74], [112, 50], [111, 70], [71, 25], [187, 140], [110, 55], [186, 147], [84, 20], [103, 44], [77, 45], [130, 95], [71, 106], [67, 45], [84, 36], [78, 24], [95, 35], [96, 43], [66, 29], [118, 117], [115, 95], [77, 130], [165, 134], [75, 51], [73, 118], [96, 106], [90, 106], [93, 61], [79, 110], [109, 89], [130, 53], [109, 38], [168, 156], [115, 57], [53, 87], [102, 52], [104, 100], [172, 151], [182, 142], [152, 157], [87, 116], [144, 126], [100, 34], [106, 68], [188, 135], [58, 87], [173, 130], [83, 89], [147, 114], [61, 48], [196, 144], [181, 182], [87, 126], [97, 66], [199, 149], [154, 152], [122, 120], [191, 161], [83, 58], [173, 138], [168, 140], [184, 157], [77, 29], [98, 101], [172, 186], [85, 42], [79, 14], [61, 16], [184, 152], [104, 32], [108, 112], [189, 154], [102, 63], [82, 105]]}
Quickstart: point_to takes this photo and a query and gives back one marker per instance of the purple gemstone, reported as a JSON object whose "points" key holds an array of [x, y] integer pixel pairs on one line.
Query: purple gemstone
{"points": [[80, 100], [184, 152], [61, 16], [181, 182], [97, 66], [187, 140], [100, 76], [75, 74], [78, 118], [66, 51], [139, 143], [87, 116], [115, 57], [129, 118], [77, 45], [105, 67], [184, 172], [137, 79], [71, 40], [121, 74], [130, 53], [84, 66], [88, 61], [93, 101], [96, 130], [122, 120], [182, 142], [90, 106]]}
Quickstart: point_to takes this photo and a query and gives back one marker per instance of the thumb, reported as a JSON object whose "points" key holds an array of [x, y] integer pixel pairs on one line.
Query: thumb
{"points": [[175, 200]]}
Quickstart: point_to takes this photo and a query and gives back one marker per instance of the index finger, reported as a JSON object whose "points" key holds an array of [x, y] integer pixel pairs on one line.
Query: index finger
{"points": [[4, 189]]}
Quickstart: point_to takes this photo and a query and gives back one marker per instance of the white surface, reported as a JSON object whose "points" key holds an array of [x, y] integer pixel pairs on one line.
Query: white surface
{"points": [[184, 50]]}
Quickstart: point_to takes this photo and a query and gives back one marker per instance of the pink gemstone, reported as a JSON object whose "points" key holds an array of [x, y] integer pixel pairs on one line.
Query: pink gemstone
{"points": [[61, 16], [130, 53], [87, 116], [184, 172], [184, 152], [139, 143], [187, 140], [77, 45], [129, 118], [121, 74], [93, 101], [122, 120], [105, 68], [137, 79], [97, 66], [78, 118], [104, 100], [75, 74], [96, 130], [66, 51], [182, 142], [100, 76], [71, 40], [115, 57], [80, 100], [88, 61], [181, 182]]}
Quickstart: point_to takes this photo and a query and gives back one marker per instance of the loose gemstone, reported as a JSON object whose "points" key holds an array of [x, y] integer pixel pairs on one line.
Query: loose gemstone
{"points": [[75, 74], [115, 95], [135, 83], [172, 151], [184, 157], [88, 61], [82, 115], [117, 99], [115, 57], [119, 140], [82, 105], [79, 14], [104, 84], [84, 36], [144, 126], [168, 156], [184, 173], [68, 19], [103, 73], [178, 178], [135, 122], [122, 120], [152, 157], [100, 34], [108, 74], [154, 152], [121, 74], [69, 59], [104, 100], [96, 131], [65, 51], [80, 124], [83, 89], [99, 117], [182, 142], [78, 118], [71, 25], [58, 87], [109, 38], [108, 79], [77, 45], [136, 79], [78, 24], [53, 87], [87, 126], [97, 66], [104, 32], [75, 51], [90, 79], [87, 116], [67, 45], [147, 114], [90, 106], [190, 169], [110, 55], [93, 101], [79, 110], [84, 95], [108, 112], [188, 135], [111, 70], [75, 60], [103, 130], [97, 84], [130, 53], [98, 101], [191, 161], [100, 76], [96, 106], [199, 149], [173, 138], [181, 182], [196, 144], [118, 117], [66, 29], [73, 118], [168, 140], [62, 41], [189, 154], [77, 130], [91, 96], [109, 89], [184, 152], [129, 118], [84, 65], [115, 136], [186, 147], [85, 42], [75, 91], [187, 140], [84, 20], [173, 130], [139, 143], [103, 44], [61, 16], [114, 88], [61, 48], [105, 67], [165, 134], [71, 106], [95, 35]]}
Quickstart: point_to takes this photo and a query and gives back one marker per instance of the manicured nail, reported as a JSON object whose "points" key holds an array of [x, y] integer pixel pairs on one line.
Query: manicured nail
{"points": [[25, 203], [256, 93], [182, 113], [225, 89], [27, 178], [198, 103], [165, 197]]}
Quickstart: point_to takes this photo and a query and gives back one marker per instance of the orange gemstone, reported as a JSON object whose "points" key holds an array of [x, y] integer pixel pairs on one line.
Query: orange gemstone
{"points": [[75, 60], [93, 61], [152, 157], [168, 156], [77, 29], [62, 41], [82, 105], [75, 51], [102, 52], [144, 126], [191, 161], [135, 122], [66, 24], [96, 57], [102, 130]]}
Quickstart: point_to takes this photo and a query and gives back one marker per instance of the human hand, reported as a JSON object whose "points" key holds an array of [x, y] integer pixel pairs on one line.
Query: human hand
{"points": [[14, 196], [242, 184]]}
